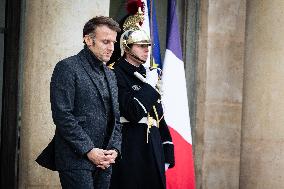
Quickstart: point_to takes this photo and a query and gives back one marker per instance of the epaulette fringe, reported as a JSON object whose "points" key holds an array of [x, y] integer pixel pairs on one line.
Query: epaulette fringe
{"points": [[110, 66]]}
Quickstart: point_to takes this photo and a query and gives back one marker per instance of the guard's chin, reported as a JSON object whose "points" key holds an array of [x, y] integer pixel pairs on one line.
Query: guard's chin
{"points": [[144, 59]]}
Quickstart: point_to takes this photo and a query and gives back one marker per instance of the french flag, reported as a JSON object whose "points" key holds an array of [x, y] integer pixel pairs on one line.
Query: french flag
{"points": [[174, 98], [176, 107]]}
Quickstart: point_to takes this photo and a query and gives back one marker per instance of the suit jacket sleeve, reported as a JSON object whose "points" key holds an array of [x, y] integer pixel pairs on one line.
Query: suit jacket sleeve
{"points": [[62, 96], [116, 138]]}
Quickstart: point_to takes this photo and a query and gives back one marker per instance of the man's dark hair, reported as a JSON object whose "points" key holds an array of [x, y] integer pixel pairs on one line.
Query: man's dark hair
{"points": [[91, 25]]}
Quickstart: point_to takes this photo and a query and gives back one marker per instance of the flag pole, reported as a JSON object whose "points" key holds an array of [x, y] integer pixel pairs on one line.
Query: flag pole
{"points": [[151, 33]]}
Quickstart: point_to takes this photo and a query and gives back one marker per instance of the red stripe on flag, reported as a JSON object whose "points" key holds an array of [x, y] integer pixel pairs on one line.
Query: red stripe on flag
{"points": [[181, 176]]}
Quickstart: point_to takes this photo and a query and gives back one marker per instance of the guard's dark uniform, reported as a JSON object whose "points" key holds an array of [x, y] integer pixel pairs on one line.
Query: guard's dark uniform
{"points": [[146, 142]]}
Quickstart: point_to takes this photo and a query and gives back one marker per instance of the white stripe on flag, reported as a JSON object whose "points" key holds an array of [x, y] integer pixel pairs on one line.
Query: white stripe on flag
{"points": [[174, 97]]}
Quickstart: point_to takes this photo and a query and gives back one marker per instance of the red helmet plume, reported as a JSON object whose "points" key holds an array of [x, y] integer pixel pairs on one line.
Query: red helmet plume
{"points": [[133, 5]]}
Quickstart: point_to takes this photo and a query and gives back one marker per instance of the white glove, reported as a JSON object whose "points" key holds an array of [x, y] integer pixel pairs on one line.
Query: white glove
{"points": [[152, 77], [159, 87], [167, 166], [139, 76]]}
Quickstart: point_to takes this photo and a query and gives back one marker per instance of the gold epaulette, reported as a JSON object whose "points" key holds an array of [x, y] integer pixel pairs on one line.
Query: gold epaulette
{"points": [[110, 66]]}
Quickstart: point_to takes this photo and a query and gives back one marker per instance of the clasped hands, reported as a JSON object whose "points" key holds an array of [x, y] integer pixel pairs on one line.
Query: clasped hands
{"points": [[102, 158]]}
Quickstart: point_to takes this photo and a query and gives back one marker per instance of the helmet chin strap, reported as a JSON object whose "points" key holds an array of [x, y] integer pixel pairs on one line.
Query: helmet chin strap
{"points": [[135, 56]]}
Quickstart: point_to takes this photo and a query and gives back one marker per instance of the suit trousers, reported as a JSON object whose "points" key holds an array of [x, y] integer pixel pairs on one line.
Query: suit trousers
{"points": [[77, 179]]}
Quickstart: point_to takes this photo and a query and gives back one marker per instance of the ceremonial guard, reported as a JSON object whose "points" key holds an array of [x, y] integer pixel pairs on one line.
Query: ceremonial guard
{"points": [[147, 149]]}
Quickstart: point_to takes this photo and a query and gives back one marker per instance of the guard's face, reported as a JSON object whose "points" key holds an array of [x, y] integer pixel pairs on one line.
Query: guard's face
{"points": [[102, 45], [141, 51]]}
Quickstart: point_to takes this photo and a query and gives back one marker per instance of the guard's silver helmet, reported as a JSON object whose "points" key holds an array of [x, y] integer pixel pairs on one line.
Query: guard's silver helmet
{"points": [[133, 37]]}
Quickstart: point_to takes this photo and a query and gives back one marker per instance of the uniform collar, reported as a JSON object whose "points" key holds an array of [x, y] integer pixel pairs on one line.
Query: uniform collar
{"points": [[129, 68]]}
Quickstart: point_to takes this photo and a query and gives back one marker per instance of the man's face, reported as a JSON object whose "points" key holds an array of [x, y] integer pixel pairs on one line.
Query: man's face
{"points": [[141, 51], [102, 45]]}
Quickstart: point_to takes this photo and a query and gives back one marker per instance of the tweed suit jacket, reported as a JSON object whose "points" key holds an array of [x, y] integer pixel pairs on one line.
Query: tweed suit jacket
{"points": [[79, 113]]}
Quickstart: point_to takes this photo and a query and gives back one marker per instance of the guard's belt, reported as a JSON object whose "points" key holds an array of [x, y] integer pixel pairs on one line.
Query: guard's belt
{"points": [[143, 120]]}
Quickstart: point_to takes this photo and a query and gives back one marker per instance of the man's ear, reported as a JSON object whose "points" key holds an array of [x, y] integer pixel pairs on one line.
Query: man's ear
{"points": [[88, 40]]}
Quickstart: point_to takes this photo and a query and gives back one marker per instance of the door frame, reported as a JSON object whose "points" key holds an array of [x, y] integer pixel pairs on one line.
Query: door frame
{"points": [[10, 101]]}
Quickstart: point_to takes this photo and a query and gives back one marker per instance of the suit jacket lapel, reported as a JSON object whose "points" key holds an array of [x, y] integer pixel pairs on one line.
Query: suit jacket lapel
{"points": [[86, 65], [112, 87]]}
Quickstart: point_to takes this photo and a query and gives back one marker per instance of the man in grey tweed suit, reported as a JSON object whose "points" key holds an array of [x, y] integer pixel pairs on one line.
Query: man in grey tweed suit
{"points": [[83, 96]]}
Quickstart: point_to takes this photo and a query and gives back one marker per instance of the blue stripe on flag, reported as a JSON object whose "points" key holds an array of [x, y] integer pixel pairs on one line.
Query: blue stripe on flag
{"points": [[173, 37], [155, 35]]}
